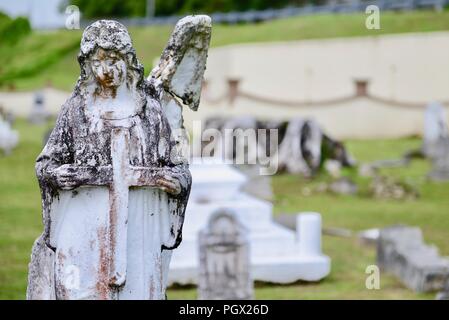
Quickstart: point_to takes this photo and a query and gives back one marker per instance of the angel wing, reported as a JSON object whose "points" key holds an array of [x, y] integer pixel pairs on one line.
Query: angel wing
{"points": [[181, 68]]}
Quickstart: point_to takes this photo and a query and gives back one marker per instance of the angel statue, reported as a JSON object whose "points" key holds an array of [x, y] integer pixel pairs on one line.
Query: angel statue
{"points": [[113, 181]]}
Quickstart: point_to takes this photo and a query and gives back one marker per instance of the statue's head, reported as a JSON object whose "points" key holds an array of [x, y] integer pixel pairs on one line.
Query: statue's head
{"points": [[107, 57]]}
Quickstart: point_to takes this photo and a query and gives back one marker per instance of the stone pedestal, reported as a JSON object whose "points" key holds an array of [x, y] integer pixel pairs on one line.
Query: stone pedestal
{"points": [[402, 252], [276, 252], [308, 228]]}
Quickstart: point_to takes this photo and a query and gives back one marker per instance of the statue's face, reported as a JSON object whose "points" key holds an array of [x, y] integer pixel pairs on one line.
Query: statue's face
{"points": [[109, 68]]}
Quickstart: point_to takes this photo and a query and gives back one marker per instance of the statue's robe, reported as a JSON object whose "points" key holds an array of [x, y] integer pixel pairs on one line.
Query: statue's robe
{"points": [[69, 260]]}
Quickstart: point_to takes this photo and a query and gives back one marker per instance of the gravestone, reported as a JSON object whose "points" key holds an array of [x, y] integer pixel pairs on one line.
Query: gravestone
{"points": [[9, 138], [369, 236], [435, 127], [38, 114], [436, 141], [402, 252], [224, 269], [7, 116], [305, 146], [290, 153], [113, 182]]}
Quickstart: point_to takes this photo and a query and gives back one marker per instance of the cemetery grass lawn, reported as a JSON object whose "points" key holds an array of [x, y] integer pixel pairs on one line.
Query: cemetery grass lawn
{"points": [[44, 58], [20, 222]]}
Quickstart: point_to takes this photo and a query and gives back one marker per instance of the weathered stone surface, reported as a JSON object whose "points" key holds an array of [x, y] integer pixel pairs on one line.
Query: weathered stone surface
{"points": [[180, 73], [41, 274], [224, 272], [401, 251], [113, 189], [183, 62], [291, 154]]}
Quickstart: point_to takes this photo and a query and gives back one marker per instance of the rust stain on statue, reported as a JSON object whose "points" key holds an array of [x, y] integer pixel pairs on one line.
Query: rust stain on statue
{"points": [[102, 285], [161, 274], [112, 231], [106, 88], [151, 288], [102, 92], [61, 290]]}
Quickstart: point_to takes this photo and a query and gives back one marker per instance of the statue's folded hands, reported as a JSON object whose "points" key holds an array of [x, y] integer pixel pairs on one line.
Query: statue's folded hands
{"points": [[69, 176], [169, 184], [162, 178]]}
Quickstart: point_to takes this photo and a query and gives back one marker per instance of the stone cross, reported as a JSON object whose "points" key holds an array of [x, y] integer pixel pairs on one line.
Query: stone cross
{"points": [[124, 176], [224, 259], [118, 197]]}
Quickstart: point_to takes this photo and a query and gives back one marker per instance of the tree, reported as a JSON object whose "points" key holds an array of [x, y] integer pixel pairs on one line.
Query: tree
{"points": [[110, 8]]}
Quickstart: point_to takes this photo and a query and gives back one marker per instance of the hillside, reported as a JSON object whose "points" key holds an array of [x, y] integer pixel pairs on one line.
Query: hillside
{"points": [[49, 58]]}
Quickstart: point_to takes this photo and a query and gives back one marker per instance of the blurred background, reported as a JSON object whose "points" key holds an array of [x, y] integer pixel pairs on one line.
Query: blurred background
{"points": [[376, 96]]}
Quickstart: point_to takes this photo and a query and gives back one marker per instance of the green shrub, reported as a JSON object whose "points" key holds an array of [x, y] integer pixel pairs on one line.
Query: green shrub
{"points": [[12, 30]]}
